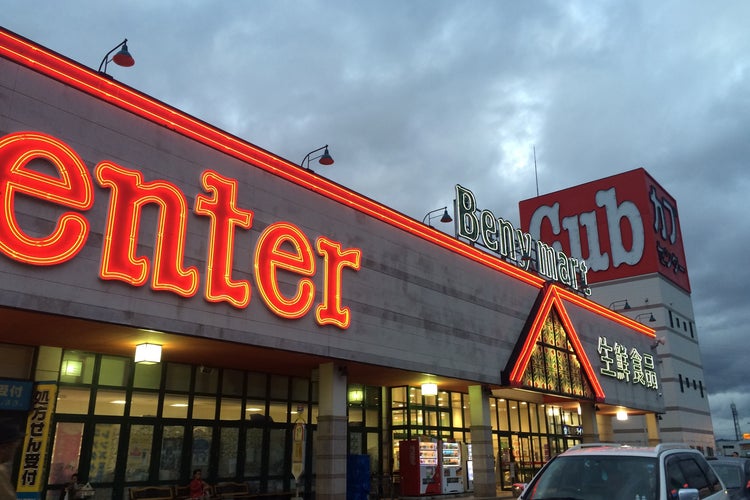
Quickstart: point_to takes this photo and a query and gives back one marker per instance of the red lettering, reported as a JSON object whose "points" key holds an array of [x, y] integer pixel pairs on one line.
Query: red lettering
{"points": [[225, 216], [270, 257], [119, 260], [73, 189], [330, 311]]}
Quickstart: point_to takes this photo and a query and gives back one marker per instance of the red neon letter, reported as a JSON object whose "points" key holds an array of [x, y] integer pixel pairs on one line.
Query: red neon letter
{"points": [[270, 258], [73, 189], [224, 214], [330, 311], [119, 261]]}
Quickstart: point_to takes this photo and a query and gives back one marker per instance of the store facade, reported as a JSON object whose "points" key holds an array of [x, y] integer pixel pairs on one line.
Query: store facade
{"points": [[297, 320]]}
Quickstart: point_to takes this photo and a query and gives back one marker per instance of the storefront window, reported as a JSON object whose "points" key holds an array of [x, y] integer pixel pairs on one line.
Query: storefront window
{"points": [[204, 408], [201, 458], [178, 377], [256, 385], [231, 383], [171, 453], [139, 452], [231, 409], [253, 452], [114, 371], [147, 376], [175, 406], [228, 446], [110, 402], [534, 417], [279, 387], [104, 453], [206, 380], [457, 408], [300, 388], [513, 416], [144, 404], [503, 419], [278, 412], [66, 451], [276, 448], [73, 400], [77, 367]]}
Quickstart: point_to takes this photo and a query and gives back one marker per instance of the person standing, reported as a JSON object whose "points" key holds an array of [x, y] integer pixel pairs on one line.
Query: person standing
{"points": [[10, 438]]}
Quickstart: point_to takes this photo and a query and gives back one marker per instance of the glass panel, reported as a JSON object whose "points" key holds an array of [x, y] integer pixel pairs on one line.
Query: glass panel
{"points": [[147, 376], [139, 452], [300, 388], [144, 404], [355, 415], [443, 399], [171, 453], [523, 408], [255, 411], [534, 416], [228, 451], [253, 452], [445, 419], [372, 417], [73, 400], [513, 416], [201, 448], [398, 397], [355, 443], [104, 453], [178, 377], [231, 409], [279, 387], [256, 385], [66, 451], [175, 406], [278, 412], [207, 380], [373, 449], [231, 384], [77, 367], [110, 403], [276, 449], [458, 414], [204, 408], [495, 406], [114, 371]]}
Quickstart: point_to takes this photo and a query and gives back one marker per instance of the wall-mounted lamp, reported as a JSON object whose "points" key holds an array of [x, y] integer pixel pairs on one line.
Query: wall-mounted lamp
{"points": [[622, 415], [147, 354], [324, 158], [429, 389], [122, 58], [356, 395], [619, 304], [651, 318], [444, 219]]}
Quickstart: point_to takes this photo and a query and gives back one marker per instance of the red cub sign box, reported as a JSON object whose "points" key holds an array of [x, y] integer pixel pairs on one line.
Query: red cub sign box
{"points": [[281, 247], [622, 226]]}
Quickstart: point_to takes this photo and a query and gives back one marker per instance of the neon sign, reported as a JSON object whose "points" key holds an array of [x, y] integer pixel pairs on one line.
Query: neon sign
{"points": [[499, 236], [73, 188], [627, 365]]}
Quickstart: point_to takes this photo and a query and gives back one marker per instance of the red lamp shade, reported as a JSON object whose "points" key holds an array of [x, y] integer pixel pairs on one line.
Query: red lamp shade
{"points": [[123, 57]]}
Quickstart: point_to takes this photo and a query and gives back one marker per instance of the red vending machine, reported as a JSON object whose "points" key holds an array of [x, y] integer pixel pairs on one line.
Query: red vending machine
{"points": [[419, 461]]}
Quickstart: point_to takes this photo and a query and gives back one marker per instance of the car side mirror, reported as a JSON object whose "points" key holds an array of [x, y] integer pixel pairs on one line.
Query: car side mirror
{"points": [[688, 494]]}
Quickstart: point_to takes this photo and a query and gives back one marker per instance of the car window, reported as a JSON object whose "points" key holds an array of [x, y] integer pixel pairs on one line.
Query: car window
{"points": [[596, 477], [729, 473], [684, 471]]}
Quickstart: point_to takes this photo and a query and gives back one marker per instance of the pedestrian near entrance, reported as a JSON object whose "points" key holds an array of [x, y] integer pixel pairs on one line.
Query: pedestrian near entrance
{"points": [[10, 437], [198, 487]]}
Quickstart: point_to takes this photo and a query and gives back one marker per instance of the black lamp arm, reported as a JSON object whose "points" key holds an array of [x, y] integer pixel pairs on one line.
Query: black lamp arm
{"points": [[104, 61]]}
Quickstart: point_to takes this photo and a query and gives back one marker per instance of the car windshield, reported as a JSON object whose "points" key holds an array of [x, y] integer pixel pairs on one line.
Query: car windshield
{"points": [[730, 474], [594, 477]]}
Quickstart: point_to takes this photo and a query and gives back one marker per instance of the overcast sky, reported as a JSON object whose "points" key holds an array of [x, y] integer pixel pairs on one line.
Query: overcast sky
{"points": [[414, 97]]}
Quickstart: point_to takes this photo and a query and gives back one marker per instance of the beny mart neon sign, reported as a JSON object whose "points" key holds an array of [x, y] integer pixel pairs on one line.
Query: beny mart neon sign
{"points": [[281, 247], [499, 236]]}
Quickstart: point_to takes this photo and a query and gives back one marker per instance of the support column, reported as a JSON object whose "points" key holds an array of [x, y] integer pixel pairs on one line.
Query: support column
{"points": [[588, 421], [481, 443], [330, 452], [652, 427], [604, 423]]}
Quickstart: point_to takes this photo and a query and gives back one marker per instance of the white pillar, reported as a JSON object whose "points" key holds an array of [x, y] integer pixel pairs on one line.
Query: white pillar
{"points": [[331, 453], [481, 443]]}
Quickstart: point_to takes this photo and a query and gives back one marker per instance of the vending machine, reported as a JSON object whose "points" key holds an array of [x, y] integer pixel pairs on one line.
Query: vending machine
{"points": [[419, 462], [468, 466], [453, 478]]}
